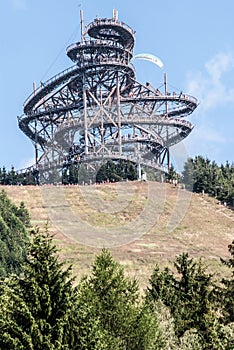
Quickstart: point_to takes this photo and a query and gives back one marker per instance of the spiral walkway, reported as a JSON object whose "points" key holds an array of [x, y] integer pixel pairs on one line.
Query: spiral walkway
{"points": [[96, 110]]}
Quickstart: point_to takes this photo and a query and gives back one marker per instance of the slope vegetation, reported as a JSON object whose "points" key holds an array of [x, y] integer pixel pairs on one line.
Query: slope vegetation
{"points": [[141, 222]]}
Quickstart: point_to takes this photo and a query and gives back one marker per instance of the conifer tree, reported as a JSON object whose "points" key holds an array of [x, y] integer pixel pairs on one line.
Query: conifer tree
{"points": [[228, 291], [200, 174], [189, 296], [114, 298], [188, 174], [13, 235], [36, 307], [73, 174]]}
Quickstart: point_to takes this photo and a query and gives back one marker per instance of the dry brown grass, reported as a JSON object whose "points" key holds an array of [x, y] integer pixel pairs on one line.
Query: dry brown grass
{"points": [[183, 222]]}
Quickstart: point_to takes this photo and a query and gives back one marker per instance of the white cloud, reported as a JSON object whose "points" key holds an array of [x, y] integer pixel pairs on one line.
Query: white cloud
{"points": [[213, 87], [18, 4], [209, 85], [218, 65]]}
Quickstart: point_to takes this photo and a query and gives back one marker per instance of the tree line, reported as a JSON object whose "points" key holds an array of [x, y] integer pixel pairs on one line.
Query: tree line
{"points": [[72, 174], [110, 171], [43, 307], [202, 175], [13, 177], [199, 175]]}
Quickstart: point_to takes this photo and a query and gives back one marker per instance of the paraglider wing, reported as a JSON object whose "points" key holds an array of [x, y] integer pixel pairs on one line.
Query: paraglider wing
{"points": [[149, 57]]}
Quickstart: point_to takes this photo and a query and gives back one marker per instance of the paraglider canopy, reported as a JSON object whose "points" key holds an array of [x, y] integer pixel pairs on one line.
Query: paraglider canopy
{"points": [[149, 57]]}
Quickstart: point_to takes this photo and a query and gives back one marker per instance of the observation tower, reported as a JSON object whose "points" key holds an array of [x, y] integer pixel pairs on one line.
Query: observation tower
{"points": [[96, 110]]}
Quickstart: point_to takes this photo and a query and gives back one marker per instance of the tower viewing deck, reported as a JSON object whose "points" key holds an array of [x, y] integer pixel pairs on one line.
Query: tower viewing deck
{"points": [[98, 109]]}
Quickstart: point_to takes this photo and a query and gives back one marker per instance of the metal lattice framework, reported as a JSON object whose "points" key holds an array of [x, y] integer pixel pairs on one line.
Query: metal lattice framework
{"points": [[96, 110]]}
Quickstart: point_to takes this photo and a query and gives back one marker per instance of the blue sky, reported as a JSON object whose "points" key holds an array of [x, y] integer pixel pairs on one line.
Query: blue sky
{"points": [[194, 39]]}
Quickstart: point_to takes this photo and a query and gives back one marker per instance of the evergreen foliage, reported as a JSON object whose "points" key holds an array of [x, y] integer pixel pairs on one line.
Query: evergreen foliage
{"points": [[228, 292], [74, 173], [117, 171], [202, 175], [199, 175], [42, 309], [116, 306], [12, 177], [172, 174], [190, 296], [13, 235], [39, 302]]}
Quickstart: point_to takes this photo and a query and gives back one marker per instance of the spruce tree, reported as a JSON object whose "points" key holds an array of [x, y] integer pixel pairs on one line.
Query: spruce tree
{"points": [[188, 174], [114, 300], [73, 174], [200, 174], [228, 290], [188, 293], [13, 235], [36, 307]]}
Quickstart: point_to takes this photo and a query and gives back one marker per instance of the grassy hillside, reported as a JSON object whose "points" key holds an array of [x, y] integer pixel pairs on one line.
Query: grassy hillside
{"points": [[141, 223]]}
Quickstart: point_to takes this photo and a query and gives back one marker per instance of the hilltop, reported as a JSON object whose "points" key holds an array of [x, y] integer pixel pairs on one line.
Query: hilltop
{"points": [[171, 219]]}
